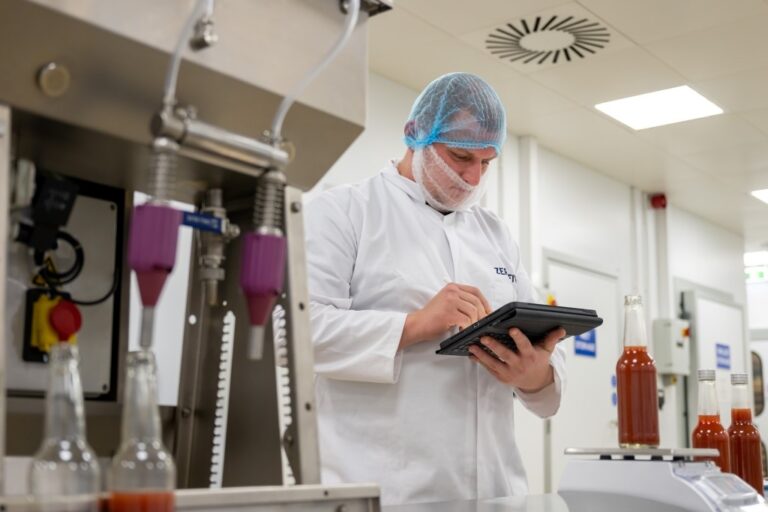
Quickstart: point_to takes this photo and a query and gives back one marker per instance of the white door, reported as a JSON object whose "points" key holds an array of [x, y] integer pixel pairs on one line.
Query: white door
{"points": [[718, 342], [587, 415]]}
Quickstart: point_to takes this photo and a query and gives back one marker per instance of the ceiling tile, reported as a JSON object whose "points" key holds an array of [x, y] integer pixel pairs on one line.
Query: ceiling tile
{"points": [[758, 118], [577, 17], [460, 16], [602, 145], [394, 57], [525, 100], [705, 199], [440, 54], [719, 51], [609, 76], [652, 20], [727, 162], [706, 134], [739, 92]]}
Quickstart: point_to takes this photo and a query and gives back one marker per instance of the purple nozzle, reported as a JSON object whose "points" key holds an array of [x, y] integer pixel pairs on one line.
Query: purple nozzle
{"points": [[152, 248], [261, 274]]}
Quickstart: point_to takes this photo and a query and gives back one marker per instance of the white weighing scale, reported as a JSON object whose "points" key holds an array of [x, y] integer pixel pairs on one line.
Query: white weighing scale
{"points": [[653, 479]]}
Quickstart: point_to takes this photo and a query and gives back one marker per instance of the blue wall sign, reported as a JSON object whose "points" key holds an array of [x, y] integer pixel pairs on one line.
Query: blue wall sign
{"points": [[723, 356], [586, 344]]}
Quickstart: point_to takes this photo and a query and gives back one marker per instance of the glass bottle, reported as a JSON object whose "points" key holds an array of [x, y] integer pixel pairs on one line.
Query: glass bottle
{"points": [[65, 465], [143, 474], [746, 461], [636, 382], [709, 432]]}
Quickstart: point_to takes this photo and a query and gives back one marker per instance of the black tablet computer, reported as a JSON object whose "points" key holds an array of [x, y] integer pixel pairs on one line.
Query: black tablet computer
{"points": [[535, 320]]}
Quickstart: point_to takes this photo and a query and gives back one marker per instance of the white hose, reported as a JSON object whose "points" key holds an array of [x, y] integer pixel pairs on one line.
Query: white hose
{"points": [[209, 8], [172, 75], [282, 110]]}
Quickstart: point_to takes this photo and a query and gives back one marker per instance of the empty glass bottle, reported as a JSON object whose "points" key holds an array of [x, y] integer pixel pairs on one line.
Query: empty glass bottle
{"points": [[636, 382], [143, 474], [746, 461], [65, 465], [709, 432]]}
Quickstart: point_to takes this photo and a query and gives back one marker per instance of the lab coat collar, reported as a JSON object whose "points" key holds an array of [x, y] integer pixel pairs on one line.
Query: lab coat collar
{"points": [[408, 186], [413, 189]]}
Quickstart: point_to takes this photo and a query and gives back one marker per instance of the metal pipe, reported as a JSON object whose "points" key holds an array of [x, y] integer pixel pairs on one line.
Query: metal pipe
{"points": [[147, 326], [172, 76], [199, 135], [5, 158]]}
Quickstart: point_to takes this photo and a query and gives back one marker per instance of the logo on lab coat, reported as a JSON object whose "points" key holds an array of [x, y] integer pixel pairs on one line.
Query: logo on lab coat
{"points": [[502, 271]]}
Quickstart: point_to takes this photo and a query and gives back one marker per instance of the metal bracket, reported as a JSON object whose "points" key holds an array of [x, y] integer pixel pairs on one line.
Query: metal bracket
{"points": [[372, 7]]}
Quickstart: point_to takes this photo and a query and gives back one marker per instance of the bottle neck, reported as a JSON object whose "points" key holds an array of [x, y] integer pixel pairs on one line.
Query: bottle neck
{"points": [[141, 416], [708, 404], [740, 397], [64, 409], [634, 326]]}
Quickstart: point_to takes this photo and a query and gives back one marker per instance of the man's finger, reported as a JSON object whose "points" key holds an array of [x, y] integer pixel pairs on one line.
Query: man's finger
{"points": [[486, 359], [552, 339], [467, 309], [498, 348], [472, 299], [477, 293], [524, 346]]}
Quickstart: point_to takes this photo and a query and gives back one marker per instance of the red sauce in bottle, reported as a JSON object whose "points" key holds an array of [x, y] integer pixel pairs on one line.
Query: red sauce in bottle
{"points": [[709, 433], [141, 502], [637, 398], [745, 449]]}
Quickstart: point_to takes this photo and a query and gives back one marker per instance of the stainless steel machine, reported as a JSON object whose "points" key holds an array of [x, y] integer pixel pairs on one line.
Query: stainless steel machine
{"points": [[83, 102]]}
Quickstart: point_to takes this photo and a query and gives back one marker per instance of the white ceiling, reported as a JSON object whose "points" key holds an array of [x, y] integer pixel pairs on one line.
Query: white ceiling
{"points": [[718, 47]]}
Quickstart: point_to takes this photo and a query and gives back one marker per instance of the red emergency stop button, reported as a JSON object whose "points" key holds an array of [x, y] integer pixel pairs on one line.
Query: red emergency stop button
{"points": [[65, 319]]}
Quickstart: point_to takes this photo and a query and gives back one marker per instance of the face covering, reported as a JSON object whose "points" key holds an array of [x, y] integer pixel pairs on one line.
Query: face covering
{"points": [[443, 188]]}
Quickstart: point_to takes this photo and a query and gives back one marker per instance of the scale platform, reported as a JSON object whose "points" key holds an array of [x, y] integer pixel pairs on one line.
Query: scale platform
{"points": [[668, 479], [673, 454]]}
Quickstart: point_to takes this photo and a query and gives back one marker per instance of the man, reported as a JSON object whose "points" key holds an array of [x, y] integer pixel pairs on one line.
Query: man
{"points": [[398, 263]]}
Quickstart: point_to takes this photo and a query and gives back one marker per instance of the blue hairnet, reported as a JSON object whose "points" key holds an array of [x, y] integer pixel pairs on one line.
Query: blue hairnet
{"points": [[459, 110]]}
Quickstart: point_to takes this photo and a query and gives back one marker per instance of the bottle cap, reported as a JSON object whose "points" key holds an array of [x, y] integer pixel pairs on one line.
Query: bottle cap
{"points": [[632, 300], [738, 378], [65, 319], [706, 374]]}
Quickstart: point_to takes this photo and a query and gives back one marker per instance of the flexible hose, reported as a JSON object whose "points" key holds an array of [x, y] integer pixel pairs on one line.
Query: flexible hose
{"points": [[172, 75], [282, 110]]}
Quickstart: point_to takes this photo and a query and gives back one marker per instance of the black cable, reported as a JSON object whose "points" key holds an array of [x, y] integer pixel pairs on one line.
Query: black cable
{"points": [[55, 278], [104, 298]]}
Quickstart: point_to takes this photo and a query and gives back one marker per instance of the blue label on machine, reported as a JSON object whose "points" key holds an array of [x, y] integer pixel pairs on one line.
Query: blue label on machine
{"points": [[202, 221], [586, 344], [723, 355]]}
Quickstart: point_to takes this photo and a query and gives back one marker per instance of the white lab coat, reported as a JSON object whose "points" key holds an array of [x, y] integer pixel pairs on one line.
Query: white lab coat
{"points": [[425, 427]]}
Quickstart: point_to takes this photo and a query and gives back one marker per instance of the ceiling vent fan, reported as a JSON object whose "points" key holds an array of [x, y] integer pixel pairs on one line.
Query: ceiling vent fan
{"points": [[547, 40]]}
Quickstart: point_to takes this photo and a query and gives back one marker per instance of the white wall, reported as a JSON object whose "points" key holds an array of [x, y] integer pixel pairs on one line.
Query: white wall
{"points": [[584, 214], [706, 254], [757, 305], [382, 140]]}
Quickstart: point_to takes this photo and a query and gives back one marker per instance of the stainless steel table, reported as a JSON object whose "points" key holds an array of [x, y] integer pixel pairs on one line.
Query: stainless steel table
{"points": [[587, 502]]}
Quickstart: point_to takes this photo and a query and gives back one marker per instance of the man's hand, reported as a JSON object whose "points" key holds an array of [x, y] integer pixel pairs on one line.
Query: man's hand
{"points": [[456, 305], [528, 370]]}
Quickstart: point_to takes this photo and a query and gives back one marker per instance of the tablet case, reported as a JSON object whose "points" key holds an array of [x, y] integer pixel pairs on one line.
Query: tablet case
{"points": [[534, 320]]}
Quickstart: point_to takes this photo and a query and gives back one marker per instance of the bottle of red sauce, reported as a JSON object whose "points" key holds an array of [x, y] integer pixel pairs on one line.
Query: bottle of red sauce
{"points": [[709, 432], [636, 382], [744, 436]]}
